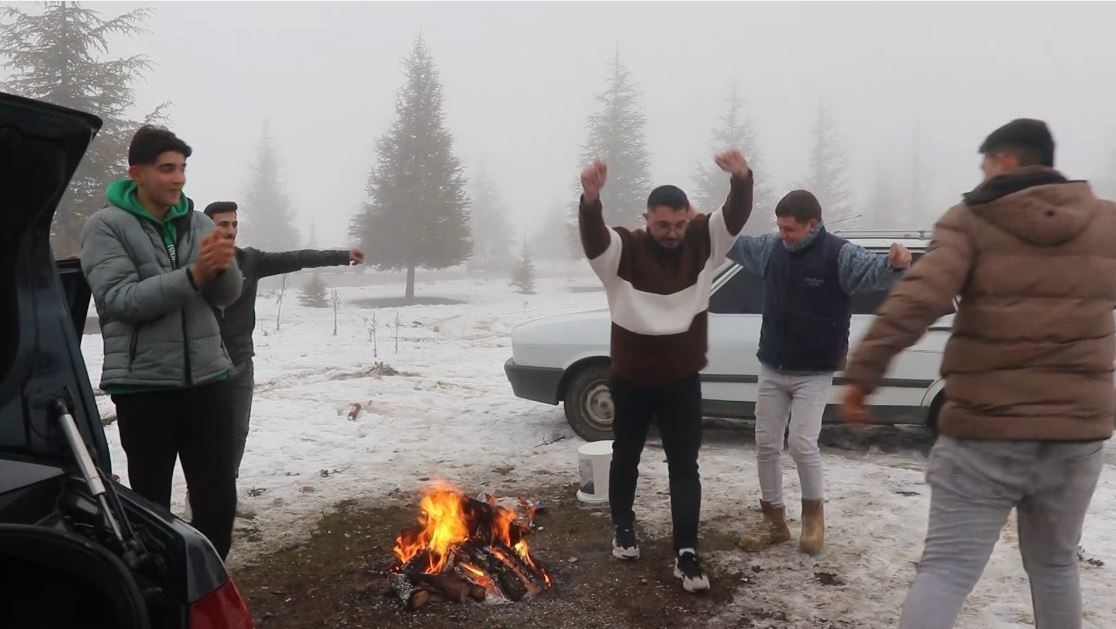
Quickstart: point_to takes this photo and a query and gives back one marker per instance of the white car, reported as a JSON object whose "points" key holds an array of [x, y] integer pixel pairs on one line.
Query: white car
{"points": [[565, 359]]}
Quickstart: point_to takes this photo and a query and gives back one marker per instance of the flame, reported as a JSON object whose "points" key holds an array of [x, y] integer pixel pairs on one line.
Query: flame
{"points": [[524, 553], [447, 518], [444, 526]]}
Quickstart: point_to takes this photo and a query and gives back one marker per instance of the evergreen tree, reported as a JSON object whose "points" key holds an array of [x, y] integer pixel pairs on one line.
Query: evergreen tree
{"points": [[523, 277], [616, 136], [271, 226], [416, 212], [60, 55], [827, 179], [736, 131], [489, 222], [549, 242], [314, 293], [880, 211]]}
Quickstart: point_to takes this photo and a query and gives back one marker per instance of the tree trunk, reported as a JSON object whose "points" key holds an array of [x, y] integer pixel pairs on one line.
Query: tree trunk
{"points": [[410, 296]]}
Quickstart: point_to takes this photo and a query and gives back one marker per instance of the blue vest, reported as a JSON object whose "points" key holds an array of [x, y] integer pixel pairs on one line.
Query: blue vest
{"points": [[806, 314]]}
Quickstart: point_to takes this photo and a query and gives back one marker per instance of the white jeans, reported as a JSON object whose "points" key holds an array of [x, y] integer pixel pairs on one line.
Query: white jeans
{"points": [[800, 401]]}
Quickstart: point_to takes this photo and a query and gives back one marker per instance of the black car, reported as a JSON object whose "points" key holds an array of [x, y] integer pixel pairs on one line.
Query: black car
{"points": [[77, 549]]}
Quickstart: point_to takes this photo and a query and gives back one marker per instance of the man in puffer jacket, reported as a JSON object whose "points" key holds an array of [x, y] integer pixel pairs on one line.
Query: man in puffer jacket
{"points": [[156, 268], [1028, 373]]}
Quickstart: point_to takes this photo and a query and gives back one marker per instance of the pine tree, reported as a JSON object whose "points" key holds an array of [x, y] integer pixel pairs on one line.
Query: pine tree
{"points": [[735, 131], [270, 223], [548, 242], [488, 220], [616, 136], [879, 212], [60, 56], [416, 213], [827, 179], [314, 293], [523, 277]]}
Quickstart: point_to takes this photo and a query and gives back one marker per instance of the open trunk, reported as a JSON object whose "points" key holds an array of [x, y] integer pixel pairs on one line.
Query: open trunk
{"points": [[76, 548]]}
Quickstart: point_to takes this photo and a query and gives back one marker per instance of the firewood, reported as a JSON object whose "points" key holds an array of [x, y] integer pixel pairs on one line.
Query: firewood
{"points": [[449, 586], [409, 596], [506, 578]]}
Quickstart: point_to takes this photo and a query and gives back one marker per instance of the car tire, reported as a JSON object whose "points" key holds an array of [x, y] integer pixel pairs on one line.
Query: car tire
{"points": [[588, 403], [935, 410]]}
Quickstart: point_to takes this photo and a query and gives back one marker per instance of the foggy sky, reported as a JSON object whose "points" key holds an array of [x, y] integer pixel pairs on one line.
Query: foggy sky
{"points": [[520, 78]]}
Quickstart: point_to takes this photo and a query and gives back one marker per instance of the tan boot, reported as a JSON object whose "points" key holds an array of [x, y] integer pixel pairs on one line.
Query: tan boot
{"points": [[813, 527], [772, 530]]}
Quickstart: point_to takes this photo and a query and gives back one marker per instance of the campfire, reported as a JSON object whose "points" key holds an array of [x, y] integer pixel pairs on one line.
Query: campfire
{"points": [[463, 548]]}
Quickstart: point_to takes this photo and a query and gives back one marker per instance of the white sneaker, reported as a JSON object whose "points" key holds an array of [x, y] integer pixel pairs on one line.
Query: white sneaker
{"points": [[624, 544], [687, 567]]}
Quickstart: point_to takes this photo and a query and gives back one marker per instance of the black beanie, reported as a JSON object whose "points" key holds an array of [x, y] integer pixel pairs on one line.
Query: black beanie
{"points": [[1024, 133], [220, 207], [801, 204]]}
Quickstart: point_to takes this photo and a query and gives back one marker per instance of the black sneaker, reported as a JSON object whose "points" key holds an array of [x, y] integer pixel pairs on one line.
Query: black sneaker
{"points": [[624, 544], [687, 567]]}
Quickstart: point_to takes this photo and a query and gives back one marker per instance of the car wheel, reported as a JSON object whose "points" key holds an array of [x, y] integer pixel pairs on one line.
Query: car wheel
{"points": [[932, 415], [588, 403]]}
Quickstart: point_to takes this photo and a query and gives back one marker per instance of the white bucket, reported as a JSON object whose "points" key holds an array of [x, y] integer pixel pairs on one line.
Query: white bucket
{"points": [[593, 460]]}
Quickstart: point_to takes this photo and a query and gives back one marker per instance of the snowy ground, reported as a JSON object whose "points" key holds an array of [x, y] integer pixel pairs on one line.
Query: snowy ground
{"points": [[451, 415]]}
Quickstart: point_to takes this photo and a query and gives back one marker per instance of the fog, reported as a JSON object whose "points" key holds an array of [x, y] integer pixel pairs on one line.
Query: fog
{"points": [[520, 78]]}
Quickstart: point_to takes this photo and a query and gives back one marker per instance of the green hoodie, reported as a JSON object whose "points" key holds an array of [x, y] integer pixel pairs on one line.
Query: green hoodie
{"points": [[122, 194]]}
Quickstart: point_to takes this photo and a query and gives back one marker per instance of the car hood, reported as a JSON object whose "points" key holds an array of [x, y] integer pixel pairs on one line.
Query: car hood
{"points": [[41, 145]]}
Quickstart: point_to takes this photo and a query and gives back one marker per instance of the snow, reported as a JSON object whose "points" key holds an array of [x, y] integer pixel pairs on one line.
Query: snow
{"points": [[451, 415]]}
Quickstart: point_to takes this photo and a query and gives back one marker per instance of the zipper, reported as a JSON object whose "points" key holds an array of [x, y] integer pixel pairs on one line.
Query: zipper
{"points": [[134, 344]]}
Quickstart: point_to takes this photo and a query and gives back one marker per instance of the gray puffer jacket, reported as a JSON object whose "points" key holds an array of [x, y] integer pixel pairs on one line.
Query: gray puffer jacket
{"points": [[158, 330]]}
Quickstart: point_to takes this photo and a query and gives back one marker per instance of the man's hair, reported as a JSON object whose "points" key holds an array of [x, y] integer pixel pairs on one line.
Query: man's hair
{"points": [[801, 204], [1027, 139], [670, 196], [220, 207], [151, 141]]}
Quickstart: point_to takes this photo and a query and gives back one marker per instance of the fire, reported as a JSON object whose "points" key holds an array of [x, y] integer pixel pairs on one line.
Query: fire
{"points": [[442, 516], [454, 532]]}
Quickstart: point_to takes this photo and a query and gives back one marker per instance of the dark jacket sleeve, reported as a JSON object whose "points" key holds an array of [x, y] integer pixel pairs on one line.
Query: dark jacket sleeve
{"points": [[278, 263]]}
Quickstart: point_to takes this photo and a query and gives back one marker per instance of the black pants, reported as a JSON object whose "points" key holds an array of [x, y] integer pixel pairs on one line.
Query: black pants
{"points": [[242, 385], [196, 426], [677, 407]]}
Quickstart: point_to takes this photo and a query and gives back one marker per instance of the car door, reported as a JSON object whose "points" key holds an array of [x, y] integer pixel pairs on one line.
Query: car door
{"points": [[735, 314]]}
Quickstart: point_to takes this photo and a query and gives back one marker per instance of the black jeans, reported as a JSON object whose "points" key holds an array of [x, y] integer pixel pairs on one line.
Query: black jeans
{"points": [[242, 385], [677, 407], [195, 426]]}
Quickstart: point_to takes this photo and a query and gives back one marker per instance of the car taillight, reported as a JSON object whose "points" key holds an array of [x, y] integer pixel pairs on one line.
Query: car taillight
{"points": [[223, 608]]}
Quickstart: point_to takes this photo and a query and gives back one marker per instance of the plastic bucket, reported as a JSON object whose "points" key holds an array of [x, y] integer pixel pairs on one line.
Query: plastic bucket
{"points": [[593, 460]]}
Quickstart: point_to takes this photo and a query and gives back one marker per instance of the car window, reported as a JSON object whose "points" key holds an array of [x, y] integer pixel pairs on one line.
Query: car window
{"points": [[742, 294], [870, 301]]}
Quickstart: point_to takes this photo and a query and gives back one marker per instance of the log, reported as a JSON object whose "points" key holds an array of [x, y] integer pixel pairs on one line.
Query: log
{"points": [[506, 578], [409, 596], [449, 586], [477, 591]]}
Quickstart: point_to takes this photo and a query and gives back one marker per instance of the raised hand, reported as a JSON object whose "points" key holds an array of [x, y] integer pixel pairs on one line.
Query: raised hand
{"points": [[732, 162], [899, 256], [593, 179]]}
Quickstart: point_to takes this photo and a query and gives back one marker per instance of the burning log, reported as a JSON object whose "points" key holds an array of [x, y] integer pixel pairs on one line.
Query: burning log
{"points": [[449, 586], [410, 596], [510, 583]]}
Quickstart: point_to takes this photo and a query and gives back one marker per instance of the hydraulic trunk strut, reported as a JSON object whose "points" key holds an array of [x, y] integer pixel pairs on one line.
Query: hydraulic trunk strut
{"points": [[132, 549]]}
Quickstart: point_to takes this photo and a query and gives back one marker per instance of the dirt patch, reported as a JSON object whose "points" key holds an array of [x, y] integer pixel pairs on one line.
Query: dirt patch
{"points": [[335, 579]]}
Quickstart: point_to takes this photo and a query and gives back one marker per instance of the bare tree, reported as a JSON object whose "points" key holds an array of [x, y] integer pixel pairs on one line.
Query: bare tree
{"points": [[335, 301], [279, 300]]}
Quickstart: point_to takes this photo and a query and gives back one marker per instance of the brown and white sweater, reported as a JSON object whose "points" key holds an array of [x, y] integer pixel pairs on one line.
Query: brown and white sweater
{"points": [[658, 297]]}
